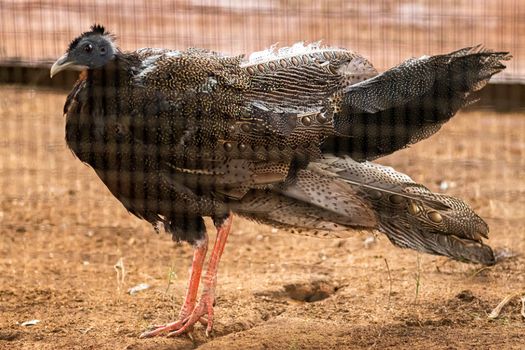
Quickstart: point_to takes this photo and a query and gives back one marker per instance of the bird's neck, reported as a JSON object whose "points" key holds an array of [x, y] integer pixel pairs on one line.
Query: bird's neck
{"points": [[114, 73]]}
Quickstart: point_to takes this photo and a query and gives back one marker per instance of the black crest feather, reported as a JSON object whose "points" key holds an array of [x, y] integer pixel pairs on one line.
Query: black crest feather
{"points": [[99, 29], [94, 29]]}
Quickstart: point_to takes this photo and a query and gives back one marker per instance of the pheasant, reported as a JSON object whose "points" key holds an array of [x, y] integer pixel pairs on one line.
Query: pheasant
{"points": [[285, 138]]}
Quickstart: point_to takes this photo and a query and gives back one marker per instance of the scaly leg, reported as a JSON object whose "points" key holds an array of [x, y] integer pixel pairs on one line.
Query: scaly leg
{"points": [[199, 254], [205, 305]]}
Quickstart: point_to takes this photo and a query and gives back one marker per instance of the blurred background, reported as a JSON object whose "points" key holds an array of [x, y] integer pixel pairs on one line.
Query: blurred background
{"points": [[61, 231], [385, 31]]}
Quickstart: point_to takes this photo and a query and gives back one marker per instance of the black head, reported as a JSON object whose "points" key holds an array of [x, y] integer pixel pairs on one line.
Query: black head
{"points": [[90, 50]]}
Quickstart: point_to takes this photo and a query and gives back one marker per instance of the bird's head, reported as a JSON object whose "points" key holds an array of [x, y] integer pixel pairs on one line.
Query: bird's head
{"points": [[90, 50]]}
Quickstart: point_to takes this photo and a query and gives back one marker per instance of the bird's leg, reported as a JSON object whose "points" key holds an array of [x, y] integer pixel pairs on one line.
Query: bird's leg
{"points": [[199, 254], [205, 305]]}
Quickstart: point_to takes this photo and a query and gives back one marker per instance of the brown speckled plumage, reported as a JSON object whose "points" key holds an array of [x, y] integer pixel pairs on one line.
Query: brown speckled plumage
{"points": [[283, 138]]}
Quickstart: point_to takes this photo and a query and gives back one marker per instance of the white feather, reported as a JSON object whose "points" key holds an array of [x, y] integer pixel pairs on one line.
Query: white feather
{"points": [[299, 48], [148, 66]]}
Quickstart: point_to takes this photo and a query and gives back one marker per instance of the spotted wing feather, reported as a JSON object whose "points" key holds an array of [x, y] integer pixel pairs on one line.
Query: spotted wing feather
{"points": [[409, 102]]}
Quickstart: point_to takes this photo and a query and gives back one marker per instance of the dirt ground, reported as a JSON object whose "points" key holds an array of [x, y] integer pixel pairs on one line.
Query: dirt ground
{"points": [[61, 234]]}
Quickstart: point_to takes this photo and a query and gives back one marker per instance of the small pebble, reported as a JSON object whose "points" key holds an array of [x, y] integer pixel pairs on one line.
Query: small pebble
{"points": [[445, 185], [369, 241], [138, 288]]}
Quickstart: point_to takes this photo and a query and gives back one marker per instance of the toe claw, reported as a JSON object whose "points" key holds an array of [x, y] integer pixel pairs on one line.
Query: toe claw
{"points": [[177, 332], [209, 328], [172, 334], [186, 322], [147, 334]]}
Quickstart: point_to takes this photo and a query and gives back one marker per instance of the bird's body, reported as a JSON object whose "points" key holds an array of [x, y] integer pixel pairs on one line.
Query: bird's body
{"points": [[284, 138]]}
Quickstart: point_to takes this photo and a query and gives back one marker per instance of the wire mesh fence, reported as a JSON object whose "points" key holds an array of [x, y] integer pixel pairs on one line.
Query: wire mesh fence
{"points": [[386, 31], [62, 230]]}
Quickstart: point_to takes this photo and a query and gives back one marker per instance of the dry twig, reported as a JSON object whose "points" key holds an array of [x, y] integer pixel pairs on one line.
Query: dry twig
{"points": [[523, 306], [121, 273], [497, 310], [389, 283]]}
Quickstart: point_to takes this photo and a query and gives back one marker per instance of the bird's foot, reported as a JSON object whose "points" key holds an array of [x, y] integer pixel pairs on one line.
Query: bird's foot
{"points": [[191, 314], [203, 308], [187, 320]]}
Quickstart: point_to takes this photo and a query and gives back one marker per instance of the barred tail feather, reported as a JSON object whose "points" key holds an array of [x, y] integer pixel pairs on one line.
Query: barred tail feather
{"points": [[412, 216], [465, 250], [335, 194]]}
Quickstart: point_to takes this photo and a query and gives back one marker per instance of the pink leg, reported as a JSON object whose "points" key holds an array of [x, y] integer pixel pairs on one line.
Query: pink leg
{"points": [[199, 254], [205, 305]]}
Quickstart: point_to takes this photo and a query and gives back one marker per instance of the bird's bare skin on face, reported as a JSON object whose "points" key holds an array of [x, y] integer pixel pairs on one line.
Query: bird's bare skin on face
{"points": [[285, 138]]}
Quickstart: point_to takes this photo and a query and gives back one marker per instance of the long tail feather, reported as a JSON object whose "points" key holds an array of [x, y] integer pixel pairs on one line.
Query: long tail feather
{"points": [[335, 194], [414, 217], [409, 102]]}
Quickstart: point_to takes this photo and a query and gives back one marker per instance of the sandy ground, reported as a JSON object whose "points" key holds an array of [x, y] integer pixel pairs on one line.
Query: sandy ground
{"points": [[61, 233]]}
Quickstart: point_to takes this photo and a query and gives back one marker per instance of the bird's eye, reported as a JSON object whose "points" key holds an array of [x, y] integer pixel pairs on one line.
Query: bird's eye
{"points": [[88, 48], [102, 50]]}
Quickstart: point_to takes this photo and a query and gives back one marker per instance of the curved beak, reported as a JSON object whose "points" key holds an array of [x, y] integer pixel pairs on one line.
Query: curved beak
{"points": [[61, 64]]}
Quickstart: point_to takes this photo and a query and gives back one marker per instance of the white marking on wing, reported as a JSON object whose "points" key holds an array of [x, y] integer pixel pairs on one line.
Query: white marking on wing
{"points": [[274, 53]]}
